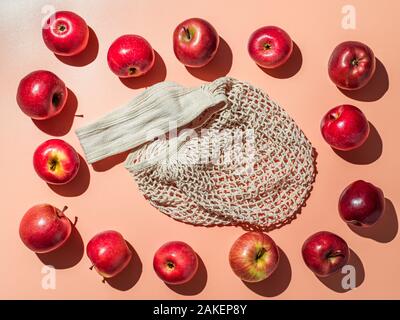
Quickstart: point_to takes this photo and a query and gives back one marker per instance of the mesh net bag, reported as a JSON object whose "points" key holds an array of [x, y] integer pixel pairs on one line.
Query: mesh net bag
{"points": [[220, 154]]}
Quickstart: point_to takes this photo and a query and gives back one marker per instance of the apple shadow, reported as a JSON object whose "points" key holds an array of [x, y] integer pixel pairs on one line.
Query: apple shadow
{"points": [[195, 285], [110, 162], [60, 124], [374, 89], [368, 152], [385, 229], [277, 282], [88, 55], [288, 69], [68, 255], [156, 74], [78, 185], [128, 277], [334, 281], [218, 67]]}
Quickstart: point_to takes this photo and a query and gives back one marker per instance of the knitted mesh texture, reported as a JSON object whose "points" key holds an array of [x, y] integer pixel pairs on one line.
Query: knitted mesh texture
{"points": [[259, 173]]}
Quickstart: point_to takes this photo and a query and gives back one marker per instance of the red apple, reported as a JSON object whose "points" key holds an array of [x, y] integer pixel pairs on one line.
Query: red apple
{"points": [[345, 127], [195, 42], [175, 262], [351, 65], [65, 33], [325, 253], [361, 203], [41, 95], [130, 56], [254, 256], [109, 253], [270, 47], [44, 228], [56, 162]]}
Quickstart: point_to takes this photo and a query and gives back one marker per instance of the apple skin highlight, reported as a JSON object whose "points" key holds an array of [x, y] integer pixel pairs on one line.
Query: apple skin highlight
{"points": [[325, 253], [361, 204], [195, 42], [345, 127], [175, 262], [44, 228], [41, 95], [351, 65], [109, 253], [130, 56], [65, 33], [270, 47]]}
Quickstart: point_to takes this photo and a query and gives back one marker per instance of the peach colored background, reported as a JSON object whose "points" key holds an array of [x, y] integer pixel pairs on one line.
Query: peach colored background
{"points": [[106, 197]]}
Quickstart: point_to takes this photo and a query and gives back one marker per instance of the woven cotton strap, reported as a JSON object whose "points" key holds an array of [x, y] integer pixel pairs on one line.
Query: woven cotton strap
{"points": [[146, 117]]}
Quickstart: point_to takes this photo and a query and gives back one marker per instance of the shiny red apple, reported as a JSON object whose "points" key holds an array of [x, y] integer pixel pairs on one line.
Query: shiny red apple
{"points": [[361, 203], [44, 228], [195, 42], [254, 256], [325, 253], [270, 46], [130, 56], [345, 127], [41, 95], [109, 253], [175, 262], [351, 65], [65, 33], [56, 162]]}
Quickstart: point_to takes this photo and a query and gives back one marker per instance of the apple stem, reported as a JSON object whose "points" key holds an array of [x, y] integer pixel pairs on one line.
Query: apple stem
{"points": [[91, 267], [62, 28], [104, 280], [354, 62], [53, 165], [79, 115], [61, 214], [131, 70], [188, 35], [260, 253], [355, 223], [333, 116], [75, 221], [56, 99], [333, 254], [267, 46]]}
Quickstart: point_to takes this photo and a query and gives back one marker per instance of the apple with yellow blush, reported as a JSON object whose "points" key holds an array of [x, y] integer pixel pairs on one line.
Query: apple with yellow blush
{"points": [[56, 161]]}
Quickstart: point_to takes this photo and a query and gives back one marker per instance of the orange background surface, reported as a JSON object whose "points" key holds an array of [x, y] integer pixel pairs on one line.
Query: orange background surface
{"points": [[105, 196]]}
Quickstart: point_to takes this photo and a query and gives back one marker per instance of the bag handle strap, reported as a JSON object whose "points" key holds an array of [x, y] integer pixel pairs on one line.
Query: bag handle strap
{"points": [[149, 115]]}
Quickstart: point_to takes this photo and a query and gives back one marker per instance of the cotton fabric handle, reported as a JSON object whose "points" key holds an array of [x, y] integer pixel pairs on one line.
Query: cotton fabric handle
{"points": [[147, 116]]}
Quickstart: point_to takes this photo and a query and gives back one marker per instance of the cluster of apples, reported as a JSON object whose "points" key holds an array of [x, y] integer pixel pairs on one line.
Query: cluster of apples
{"points": [[42, 95], [44, 228], [254, 256], [345, 127]]}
